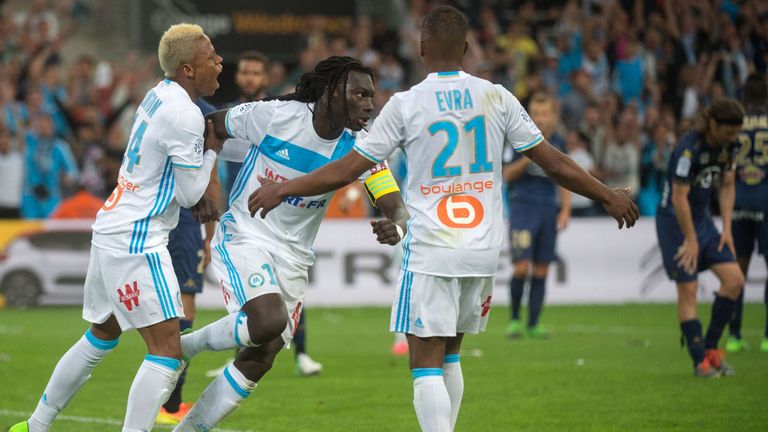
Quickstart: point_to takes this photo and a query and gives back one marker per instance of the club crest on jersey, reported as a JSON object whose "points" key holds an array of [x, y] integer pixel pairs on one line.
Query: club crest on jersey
{"points": [[255, 280], [129, 298]]}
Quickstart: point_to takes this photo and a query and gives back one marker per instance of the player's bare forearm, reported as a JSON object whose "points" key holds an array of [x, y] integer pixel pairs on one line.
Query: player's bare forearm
{"points": [[514, 170], [567, 173], [213, 191], [683, 210], [726, 199], [393, 208], [565, 200], [219, 119]]}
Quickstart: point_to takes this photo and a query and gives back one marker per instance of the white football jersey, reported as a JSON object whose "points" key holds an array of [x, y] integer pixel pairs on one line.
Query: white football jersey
{"points": [[167, 132], [452, 127], [284, 145]]}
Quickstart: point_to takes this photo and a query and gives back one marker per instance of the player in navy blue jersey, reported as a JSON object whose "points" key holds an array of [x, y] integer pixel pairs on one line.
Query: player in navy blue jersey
{"points": [[535, 216], [190, 254], [750, 225], [690, 243]]}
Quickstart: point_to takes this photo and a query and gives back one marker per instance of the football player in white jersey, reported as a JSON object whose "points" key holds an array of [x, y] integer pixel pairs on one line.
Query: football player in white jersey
{"points": [[452, 128], [262, 264], [130, 282]]}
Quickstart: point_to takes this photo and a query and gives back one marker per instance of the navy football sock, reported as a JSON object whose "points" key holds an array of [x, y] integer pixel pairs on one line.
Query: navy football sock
{"points": [[516, 287], [536, 300], [692, 333], [734, 326], [722, 309], [765, 299]]}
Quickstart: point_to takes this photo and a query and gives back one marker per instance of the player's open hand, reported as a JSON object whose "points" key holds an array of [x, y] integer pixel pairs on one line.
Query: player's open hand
{"points": [[212, 142], [726, 239], [687, 255], [264, 198], [621, 207], [387, 232], [205, 210]]}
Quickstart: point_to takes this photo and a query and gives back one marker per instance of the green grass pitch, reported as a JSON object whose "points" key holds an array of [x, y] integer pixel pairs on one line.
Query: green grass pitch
{"points": [[606, 368]]}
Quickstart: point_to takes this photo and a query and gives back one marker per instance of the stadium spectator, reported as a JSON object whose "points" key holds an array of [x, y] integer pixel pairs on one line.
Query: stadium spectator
{"points": [[11, 174], [50, 169], [81, 205]]}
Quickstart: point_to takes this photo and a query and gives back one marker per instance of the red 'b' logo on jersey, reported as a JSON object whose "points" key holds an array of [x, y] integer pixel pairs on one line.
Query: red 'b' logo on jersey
{"points": [[460, 211], [131, 296]]}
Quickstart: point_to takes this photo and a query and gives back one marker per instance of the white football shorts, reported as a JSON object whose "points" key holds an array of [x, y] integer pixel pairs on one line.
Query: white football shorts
{"points": [[138, 289], [245, 272], [427, 305]]}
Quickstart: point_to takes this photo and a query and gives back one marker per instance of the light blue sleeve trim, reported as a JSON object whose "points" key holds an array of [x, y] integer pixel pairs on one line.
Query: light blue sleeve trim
{"points": [[451, 358], [366, 155], [170, 363], [239, 390], [187, 167], [424, 372], [530, 145], [99, 343]]}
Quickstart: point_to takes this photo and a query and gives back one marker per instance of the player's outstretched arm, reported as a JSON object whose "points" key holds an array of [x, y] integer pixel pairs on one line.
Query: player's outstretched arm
{"points": [[330, 177], [565, 172]]}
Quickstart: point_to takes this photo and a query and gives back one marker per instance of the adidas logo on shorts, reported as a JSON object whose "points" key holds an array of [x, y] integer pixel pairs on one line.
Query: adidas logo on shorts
{"points": [[418, 323]]}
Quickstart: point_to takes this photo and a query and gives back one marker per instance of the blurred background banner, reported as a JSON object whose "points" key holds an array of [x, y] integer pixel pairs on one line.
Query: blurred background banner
{"points": [[276, 28], [46, 263]]}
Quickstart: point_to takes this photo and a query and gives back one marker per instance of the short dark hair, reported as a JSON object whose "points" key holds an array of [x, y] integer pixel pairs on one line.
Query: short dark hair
{"points": [[755, 90], [446, 27], [254, 56]]}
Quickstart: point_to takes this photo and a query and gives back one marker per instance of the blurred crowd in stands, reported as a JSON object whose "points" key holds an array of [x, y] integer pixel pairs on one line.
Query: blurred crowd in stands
{"points": [[630, 77]]}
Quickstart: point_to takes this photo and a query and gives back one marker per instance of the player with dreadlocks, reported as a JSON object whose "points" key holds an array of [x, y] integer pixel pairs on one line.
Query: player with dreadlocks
{"points": [[262, 264]]}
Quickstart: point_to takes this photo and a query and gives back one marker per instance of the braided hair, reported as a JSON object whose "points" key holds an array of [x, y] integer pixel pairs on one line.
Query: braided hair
{"points": [[325, 77]]}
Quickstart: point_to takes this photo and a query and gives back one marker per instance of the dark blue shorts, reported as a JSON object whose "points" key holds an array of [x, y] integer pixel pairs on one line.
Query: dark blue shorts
{"points": [[185, 244], [750, 226], [671, 238], [533, 232]]}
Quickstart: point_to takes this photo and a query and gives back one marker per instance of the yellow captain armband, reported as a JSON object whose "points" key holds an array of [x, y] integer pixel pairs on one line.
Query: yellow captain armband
{"points": [[380, 184]]}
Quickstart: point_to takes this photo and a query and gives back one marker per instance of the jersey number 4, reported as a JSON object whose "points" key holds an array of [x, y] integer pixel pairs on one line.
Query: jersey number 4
{"points": [[481, 163], [133, 146]]}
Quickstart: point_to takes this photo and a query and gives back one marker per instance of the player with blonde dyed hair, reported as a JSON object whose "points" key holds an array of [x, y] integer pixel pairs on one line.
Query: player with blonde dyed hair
{"points": [[178, 46], [130, 281]]}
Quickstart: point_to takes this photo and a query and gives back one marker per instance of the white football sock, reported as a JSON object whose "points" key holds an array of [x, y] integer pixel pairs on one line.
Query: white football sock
{"points": [[221, 397], [431, 400], [454, 383], [227, 333], [71, 372], [151, 388]]}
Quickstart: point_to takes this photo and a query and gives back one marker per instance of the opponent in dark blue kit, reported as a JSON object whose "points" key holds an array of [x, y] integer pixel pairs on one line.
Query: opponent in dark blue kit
{"points": [[750, 214], [535, 216], [689, 241]]}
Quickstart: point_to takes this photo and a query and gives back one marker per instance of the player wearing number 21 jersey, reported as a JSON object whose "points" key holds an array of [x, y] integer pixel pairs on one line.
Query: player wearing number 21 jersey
{"points": [[452, 128]]}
